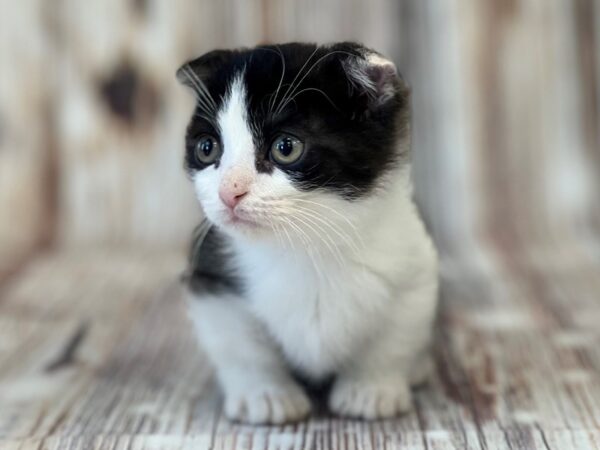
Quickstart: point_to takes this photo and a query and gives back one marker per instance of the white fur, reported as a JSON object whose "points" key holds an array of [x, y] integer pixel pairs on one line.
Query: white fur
{"points": [[335, 287], [380, 89], [257, 387]]}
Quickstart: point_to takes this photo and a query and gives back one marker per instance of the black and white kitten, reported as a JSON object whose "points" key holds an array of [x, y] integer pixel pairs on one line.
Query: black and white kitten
{"points": [[313, 258]]}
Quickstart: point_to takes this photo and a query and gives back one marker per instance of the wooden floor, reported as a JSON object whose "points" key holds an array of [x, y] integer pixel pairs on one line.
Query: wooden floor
{"points": [[96, 352]]}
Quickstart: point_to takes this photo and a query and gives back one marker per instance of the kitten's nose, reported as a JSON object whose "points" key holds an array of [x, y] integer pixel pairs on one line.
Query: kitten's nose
{"points": [[233, 189], [230, 198]]}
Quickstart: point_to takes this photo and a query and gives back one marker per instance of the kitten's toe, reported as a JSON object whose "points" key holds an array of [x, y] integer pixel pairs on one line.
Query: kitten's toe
{"points": [[370, 399], [268, 405]]}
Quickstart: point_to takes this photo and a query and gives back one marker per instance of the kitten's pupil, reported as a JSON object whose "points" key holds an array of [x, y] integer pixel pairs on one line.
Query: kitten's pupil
{"points": [[206, 146], [285, 146]]}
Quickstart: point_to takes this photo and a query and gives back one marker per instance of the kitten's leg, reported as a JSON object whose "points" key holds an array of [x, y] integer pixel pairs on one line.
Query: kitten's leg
{"points": [[249, 367], [377, 384]]}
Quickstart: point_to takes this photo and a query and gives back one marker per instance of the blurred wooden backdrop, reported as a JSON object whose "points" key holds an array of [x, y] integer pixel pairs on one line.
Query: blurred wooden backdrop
{"points": [[94, 346], [506, 98]]}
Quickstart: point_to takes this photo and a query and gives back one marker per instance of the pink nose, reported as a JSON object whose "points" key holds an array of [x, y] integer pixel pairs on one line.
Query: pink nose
{"points": [[232, 193]]}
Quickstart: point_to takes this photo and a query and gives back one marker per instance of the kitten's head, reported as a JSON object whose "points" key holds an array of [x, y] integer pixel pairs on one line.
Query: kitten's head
{"points": [[285, 137]]}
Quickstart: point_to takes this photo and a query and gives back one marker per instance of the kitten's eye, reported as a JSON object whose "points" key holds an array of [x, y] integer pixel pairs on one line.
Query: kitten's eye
{"points": [[286, 149], [208, 150]]}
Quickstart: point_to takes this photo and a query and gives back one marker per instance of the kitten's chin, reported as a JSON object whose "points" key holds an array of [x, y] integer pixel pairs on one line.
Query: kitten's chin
{"points": [[240, 222], [245, 231], [242, 227]]}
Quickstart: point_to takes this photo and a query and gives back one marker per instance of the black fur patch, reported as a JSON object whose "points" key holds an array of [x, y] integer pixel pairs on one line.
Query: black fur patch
{"points": [[211, 270], [350, 132]]}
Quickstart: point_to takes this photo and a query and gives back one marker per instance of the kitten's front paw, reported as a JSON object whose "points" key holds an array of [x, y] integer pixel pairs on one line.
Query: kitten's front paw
{"points": [[369, 399], [269, 404]]}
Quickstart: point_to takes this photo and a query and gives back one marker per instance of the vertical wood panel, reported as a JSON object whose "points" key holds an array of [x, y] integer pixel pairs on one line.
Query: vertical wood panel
{"points": [[505, 141], [532, 160], [123, 116], [373, 23], [432, 56], [24, 103], [505, 98]]}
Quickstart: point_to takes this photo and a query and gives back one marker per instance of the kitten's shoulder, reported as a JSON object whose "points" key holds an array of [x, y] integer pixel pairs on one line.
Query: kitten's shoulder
{"points": [[211, 268]]}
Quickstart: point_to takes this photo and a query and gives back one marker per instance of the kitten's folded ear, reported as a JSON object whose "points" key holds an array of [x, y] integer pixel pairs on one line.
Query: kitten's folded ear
{"points": [[203, 67], [375, 77]]}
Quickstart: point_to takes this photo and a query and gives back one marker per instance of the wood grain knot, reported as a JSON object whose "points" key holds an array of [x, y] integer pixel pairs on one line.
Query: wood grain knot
{"points": [[67, 355], [128, 96], [140, 7]]}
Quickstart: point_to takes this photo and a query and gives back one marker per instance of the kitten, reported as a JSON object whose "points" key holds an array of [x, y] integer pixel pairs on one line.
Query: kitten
{"points": [[313, 258]]}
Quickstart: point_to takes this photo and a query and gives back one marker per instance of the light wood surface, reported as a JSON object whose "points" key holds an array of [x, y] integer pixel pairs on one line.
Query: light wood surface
{"points": [[96, 352]]}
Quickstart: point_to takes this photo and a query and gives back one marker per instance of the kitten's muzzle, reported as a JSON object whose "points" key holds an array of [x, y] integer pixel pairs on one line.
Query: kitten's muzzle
{"points": [[234, 186], [231, 199]]}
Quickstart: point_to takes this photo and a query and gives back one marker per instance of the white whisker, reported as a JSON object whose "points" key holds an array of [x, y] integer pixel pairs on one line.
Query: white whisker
{"points": [[331, 225], [285, 95], [309, 89], [289, 238], [275, 229], [334, 211], [198, 237], [303, 236], [338, 214], [329, 243], [310, 249], [202, 87], [274, 99], [203, 95], [309, 71]]}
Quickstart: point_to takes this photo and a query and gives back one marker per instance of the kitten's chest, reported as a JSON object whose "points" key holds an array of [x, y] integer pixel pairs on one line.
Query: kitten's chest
{"points": [[318, 318]]}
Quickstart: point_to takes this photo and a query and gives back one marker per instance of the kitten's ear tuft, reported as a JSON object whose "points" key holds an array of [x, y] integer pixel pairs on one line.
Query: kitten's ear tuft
{"points": [[184, 75], [374, 76], [203, 67]]}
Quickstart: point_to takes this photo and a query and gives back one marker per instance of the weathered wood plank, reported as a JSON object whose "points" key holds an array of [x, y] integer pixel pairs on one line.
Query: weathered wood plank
{"points": [[26, 192], [96, 352], [113, 379], [374, 23]]}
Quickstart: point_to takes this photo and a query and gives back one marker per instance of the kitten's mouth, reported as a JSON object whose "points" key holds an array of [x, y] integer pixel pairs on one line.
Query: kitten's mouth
{"points": [[233, 218]]}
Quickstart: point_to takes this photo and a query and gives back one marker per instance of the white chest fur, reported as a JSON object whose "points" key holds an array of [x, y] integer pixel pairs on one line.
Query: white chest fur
{"points": [[319, 319], [322, 314]]}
